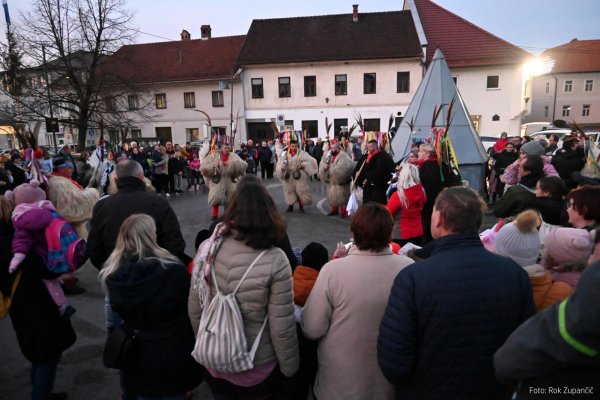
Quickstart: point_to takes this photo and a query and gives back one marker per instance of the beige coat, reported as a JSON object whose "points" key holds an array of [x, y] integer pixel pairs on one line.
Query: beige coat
{"points": [[220, 193], [266, 289], [288, 166], [338, 175], [344, 311]]}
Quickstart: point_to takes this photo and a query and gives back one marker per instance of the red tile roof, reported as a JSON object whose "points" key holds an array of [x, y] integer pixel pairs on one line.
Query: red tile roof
{"points": [[575, 56], [175, 61], [463, 44], [380, 35]]}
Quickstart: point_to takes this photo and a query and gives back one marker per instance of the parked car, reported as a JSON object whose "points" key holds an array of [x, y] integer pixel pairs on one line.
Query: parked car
{"points": [[488, 142], [547, 132]]}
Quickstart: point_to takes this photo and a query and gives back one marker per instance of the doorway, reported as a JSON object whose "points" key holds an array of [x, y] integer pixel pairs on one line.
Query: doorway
{"points": [[164, 134]]}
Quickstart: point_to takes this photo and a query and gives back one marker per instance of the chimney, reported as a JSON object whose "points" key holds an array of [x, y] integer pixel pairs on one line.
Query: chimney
{"points": [[355, 12], [185, 35], [205, 32]]}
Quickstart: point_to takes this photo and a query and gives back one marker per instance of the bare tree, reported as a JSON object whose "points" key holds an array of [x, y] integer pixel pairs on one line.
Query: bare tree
{"points": [[67, 42]]}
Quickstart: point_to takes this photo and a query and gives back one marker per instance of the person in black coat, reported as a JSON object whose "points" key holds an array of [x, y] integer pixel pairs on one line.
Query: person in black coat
{"points": [[264, 156], [131, 198], [429, 173], [449, 313], [148, 288], [14, 166], [43, 335], [519, 197], [568, 160], [502, 160], [373, 172], [549, 200]]}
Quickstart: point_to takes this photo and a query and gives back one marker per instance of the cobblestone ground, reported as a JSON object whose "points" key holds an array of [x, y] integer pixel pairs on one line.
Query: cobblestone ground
{"points": [[80, 372]]}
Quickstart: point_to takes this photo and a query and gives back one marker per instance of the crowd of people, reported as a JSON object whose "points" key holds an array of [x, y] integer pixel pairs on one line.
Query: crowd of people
{"points": [[420, 304]]}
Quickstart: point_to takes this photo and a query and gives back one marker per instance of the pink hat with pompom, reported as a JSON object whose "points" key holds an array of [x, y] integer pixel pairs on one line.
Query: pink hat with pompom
{"points": [[27, 193]]}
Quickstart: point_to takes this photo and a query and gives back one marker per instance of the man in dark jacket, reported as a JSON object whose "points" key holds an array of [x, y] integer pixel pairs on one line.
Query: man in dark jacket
{"points": [[373, 172], [264, 156], [558, 348], [568, 160], [132, 198], [449, 313]]}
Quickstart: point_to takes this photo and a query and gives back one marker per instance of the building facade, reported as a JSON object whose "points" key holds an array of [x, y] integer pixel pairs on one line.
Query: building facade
{"points": [[570, 90], [334, 68]]}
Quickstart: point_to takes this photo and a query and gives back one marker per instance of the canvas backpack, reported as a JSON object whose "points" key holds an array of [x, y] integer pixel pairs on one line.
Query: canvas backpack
{"points": [[66, 251], [221, 341]]}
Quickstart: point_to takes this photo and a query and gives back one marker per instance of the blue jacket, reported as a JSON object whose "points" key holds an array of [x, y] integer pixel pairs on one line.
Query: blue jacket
{"points": [[446, 317]]}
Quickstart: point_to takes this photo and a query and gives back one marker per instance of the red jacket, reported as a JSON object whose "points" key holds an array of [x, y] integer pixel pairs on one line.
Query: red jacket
{"points": [[407, 220]]}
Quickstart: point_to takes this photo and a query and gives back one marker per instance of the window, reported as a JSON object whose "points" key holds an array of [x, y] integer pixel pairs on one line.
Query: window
{"points": [[310, 86], [370, 83], [311, 128], [545, 111], [547, 87], [257, 88], [566, 111], [493, 82], [111, 104], [337, 125], [284, 87], [133, 102], [192, 135], [585, 112], [589, 85], [403, 83], [568, 86], [189, 100], [341, 85], [136, 133], [217, 98], [161, 101], [371, 125]]}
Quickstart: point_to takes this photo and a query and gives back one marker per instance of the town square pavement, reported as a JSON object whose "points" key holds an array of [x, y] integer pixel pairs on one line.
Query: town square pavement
{"points": [[81, 372]]}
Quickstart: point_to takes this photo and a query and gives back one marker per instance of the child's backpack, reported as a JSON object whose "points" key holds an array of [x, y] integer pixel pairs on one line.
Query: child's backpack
{"points": [[221, 342], [66, 251]]}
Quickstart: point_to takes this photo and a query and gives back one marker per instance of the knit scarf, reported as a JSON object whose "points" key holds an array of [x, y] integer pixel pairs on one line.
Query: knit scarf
{"points": [[225, 158], [529, 181], [203, 263]]}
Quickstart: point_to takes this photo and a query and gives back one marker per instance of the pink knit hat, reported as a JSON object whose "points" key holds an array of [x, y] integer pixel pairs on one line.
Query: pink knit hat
{"points": [[27, 193], [569, 245]]}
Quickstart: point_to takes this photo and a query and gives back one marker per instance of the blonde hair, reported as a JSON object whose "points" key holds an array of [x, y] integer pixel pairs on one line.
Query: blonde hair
{"points": [[6, 209], [428, 148], [136, 242], [408, 177]]}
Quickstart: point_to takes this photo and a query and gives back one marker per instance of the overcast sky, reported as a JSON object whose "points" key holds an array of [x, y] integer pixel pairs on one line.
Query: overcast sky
{"points": [[531, 24]]}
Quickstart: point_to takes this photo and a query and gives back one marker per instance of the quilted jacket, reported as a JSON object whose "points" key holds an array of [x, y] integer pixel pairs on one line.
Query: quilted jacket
{"points": [[445, 318], [267, 290]]}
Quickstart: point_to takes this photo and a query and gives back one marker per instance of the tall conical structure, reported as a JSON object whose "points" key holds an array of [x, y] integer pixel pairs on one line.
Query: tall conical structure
{"points": [[438, 88]]}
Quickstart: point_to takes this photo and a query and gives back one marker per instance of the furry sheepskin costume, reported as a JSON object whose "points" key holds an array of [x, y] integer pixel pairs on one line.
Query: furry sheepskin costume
{"points": [[337, 173], [220, 192], [295, 172], [73, 204]]}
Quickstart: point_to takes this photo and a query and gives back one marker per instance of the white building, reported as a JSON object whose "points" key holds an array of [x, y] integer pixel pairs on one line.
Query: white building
{"points": [[175, 80], [334, 67], [490, 73], [571, 90]]}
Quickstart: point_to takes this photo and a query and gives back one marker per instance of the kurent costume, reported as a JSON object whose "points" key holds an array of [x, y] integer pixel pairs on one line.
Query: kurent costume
{"points": [[221, 171], [336, 171], [294, 169]]}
